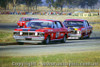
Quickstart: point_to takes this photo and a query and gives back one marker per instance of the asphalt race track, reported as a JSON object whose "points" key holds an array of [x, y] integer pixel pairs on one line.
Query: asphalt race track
{"points": [[71, 46], [8, 26]]}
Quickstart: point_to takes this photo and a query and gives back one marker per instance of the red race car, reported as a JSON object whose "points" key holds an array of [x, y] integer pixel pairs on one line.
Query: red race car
{"points": [[41, 31], [23, 20], [78, 28]]}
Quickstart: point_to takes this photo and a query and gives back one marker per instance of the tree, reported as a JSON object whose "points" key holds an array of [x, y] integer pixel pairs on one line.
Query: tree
{"points": [[50, 3], [4, 3], [60, 3], [92, 3], [14, 5], [27, 2], [56, 3], [36, 3], [87, 3]]}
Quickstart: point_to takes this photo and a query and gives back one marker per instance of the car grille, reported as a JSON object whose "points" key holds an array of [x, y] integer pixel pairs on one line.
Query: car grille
{"points": [[25, 33], [73, 32]]}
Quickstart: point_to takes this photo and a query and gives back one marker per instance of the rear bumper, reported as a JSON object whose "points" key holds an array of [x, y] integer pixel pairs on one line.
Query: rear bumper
{"points": [[28, 39], [74, 36]]}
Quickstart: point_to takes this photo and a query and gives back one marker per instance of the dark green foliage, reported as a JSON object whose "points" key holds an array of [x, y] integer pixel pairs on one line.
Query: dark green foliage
{"points": [[3, 3], [62, 3], [51, 3]]}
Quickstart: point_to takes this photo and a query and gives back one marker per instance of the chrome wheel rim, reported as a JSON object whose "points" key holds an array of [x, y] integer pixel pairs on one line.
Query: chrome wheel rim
{"points": [[64, 38], [47, 40]]}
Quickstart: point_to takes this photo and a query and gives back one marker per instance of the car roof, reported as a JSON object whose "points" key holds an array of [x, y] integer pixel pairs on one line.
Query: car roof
{"points": [[75, 20], [44, 20]]}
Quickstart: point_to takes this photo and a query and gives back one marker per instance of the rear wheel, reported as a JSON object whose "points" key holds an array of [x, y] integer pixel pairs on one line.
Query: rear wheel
{"points": [[20, 43], [64, 39]]}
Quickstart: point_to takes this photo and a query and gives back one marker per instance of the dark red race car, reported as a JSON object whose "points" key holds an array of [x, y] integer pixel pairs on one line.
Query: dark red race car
{"points": [[78, 28], [23, 20], [41, 31]]}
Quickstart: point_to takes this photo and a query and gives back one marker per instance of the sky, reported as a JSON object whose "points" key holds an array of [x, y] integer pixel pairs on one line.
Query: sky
{"points": [[43, 2]]}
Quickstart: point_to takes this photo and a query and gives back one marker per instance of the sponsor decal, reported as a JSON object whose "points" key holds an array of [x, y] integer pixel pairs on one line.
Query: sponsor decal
{"points": [[57, 34], [62, 34], [75, 29], [52, 35]]}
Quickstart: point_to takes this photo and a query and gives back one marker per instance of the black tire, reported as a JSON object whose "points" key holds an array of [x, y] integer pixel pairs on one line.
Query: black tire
{"points": [[88, 36], [47, 41], [20, 43], [20, 26], [64, 39], [81, 37]]}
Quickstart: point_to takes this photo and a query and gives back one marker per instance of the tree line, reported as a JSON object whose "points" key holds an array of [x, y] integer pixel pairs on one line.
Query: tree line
{"points": [[28, 3], [50, 3], [76, 3]]}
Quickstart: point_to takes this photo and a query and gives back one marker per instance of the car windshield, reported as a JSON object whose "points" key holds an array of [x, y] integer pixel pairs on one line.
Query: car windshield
{"points": [[39, 24], [73, 23]]}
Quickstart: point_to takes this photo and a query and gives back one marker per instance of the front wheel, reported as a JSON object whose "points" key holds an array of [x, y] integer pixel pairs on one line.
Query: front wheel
{"points": [[20, 43], [81, 37], [20, 26], [64, 39], [47, 41]]}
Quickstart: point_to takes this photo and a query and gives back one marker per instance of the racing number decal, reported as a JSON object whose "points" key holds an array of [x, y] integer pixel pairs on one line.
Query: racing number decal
{"points": [[57, 34]]}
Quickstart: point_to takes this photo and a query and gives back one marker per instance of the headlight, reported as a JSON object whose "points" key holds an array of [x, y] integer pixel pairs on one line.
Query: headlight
{"points": [[21, 33], [16, 33], [78, 32], [36, 33], [40, 34]]}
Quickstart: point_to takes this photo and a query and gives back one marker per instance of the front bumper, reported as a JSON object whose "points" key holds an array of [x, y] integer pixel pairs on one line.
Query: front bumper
{"points": [[28, 39], [20, 24], [74, 36]]}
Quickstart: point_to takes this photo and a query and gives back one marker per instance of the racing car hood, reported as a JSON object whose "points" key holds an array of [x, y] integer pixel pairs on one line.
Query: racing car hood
{"points": [[75, 27], [31, 29]]}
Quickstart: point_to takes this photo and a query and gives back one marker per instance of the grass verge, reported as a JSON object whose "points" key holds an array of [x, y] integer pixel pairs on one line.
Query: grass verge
{"points": [[85, 57], [96, 27], [6, 37], [15, 18]]}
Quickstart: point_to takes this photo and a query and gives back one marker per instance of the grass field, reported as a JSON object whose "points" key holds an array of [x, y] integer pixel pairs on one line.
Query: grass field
{"points": [[6, 37], [15, 18], [85, 57]]}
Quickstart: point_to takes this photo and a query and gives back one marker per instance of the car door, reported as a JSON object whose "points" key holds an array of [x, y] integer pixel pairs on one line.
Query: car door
{"points": [[54, 34], [86, 27], [61, 30]]}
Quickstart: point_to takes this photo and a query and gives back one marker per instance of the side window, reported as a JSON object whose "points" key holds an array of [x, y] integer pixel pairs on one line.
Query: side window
{"points": [[54, 25], [87, 23], [59, 25]]}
